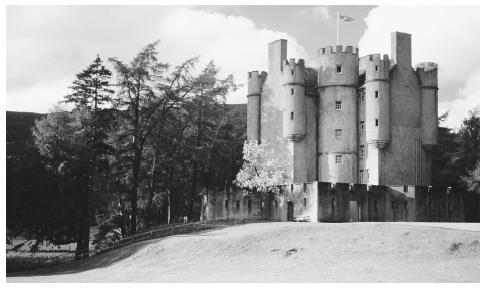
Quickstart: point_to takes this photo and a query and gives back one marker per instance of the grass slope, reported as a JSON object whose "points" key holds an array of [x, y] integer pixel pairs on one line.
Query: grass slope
{"points": [[292, 252]]}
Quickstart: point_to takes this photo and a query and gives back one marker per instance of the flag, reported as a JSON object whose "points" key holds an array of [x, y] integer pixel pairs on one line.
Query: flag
{"points": [[345, 18]]}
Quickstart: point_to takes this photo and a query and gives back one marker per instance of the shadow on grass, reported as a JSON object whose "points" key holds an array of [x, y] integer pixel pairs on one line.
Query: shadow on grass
{"points": [[111, 257]]}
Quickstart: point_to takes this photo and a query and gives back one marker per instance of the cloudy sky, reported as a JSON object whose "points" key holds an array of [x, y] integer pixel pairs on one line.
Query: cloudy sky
{"points": [[47, 46]]}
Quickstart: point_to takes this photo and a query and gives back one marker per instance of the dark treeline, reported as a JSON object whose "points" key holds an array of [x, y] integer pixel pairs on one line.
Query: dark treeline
{"points": [[135, 149]]}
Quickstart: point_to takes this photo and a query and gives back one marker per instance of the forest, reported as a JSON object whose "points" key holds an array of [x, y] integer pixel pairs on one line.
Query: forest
{"points": [[134, 146]]}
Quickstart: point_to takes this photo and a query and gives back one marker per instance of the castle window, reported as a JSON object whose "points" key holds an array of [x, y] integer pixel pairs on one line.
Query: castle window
{"points": [[237, 205], [376, 122], [291, 91], [333, 203], [361, 176], [376, 94], [291, 115], [362, 127], [263, 204], [339, 69], [339, 105], [338, 132], [226, 204], [339, 159], [377, 68], [305, 202], [367, 175], [292, 71], [361, 151], [249, 206], [405, 188]]}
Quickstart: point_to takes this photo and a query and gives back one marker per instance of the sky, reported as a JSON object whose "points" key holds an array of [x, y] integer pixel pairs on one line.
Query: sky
{"points": [[48, 45]]}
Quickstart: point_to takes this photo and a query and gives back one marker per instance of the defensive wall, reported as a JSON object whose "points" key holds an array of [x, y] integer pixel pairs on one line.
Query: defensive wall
{"points": [[339, 202]]}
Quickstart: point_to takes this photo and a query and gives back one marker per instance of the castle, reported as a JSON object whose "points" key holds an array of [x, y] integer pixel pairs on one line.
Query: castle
{"points": [[369, 120], [356, 133]]}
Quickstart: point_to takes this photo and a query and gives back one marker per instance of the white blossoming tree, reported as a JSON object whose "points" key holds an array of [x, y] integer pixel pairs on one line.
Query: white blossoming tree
{"points": [[263, 170]]}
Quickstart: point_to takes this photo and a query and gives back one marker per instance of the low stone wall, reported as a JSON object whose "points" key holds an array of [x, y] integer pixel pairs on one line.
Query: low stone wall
{"points": [[339, 202]]}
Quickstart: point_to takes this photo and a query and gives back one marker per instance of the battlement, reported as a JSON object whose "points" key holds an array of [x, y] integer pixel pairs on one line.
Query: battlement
{"points": [[291, 62], [427, 66], [375, 67], [255, 82], [294, 72], [338, 49], [338, 66], [427, 74], [375, 58], [257, 75]]}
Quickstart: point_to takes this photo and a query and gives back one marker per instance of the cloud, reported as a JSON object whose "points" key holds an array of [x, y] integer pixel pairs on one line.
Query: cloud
{"points": [[47, 46], [447, 35], [233, 42], [467, 99], [318, 12]]}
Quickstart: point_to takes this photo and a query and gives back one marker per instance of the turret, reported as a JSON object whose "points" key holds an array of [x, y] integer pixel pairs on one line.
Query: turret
{"points": [[427, 76], [294, 100], [377, 95], [337, 83], [338, 67], [255, 83]]}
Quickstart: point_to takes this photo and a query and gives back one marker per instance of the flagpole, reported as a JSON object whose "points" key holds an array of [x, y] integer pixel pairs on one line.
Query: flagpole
{"points": [[337, 28]]}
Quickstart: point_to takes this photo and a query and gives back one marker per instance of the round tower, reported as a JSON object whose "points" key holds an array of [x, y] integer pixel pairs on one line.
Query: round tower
{"points": [[255, 83], [427, 76], [377, 89], [294, 100], [337, 143]]}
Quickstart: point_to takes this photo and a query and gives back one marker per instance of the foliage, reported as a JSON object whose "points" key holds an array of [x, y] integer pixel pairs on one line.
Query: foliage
{"points": [[457, 154], [472, 179], [126, 161], [91, 87], [263, 170]]}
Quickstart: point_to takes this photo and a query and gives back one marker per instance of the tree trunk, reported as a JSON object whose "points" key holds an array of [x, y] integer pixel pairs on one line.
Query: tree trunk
{"points": [[194, 189], [152, 186], [82, 243], [133, 202], [168, 207]]}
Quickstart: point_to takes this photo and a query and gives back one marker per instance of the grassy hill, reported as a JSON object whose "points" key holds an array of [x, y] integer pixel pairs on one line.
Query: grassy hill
{"points": [[293, 252]]}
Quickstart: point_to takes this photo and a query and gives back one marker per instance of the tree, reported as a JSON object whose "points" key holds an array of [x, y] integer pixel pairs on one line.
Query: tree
{"points": [[73, 144], [458, 152], [145, 96], [62, 138], [467, 142], [472, 179], [263, 170], [91, 87], [202, 113]]}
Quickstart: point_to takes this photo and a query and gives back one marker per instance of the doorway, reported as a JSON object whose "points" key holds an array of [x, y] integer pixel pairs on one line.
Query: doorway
{"points": [[290, 211], [354, 211]]}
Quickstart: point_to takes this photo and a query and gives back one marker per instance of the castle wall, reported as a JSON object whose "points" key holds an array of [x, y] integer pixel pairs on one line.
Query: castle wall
{"points": [[403, 162], [337, 142], [341, 202], [272, 103], [311, 120]]}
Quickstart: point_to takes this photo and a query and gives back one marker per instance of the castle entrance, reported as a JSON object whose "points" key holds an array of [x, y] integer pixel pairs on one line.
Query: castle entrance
{"points": [[354, 211], [290, 211]]}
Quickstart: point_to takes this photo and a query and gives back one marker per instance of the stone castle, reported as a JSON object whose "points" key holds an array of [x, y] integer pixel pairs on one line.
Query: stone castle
{"points": [[357, 134], [368, 120]]}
